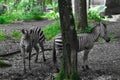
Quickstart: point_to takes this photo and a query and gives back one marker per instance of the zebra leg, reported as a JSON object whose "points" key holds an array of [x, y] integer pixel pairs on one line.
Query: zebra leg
{"points": [[42, 48], [85, 60], [30, 58], [37, 50], [23, 56]]}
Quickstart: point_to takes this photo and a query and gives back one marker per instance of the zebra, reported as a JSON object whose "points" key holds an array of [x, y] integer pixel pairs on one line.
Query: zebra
{"points": [[86, 42], [30, 39]]}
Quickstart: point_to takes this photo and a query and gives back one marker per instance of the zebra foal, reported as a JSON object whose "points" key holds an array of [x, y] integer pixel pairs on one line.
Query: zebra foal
{"points": [[30, 39], [85, 41]]}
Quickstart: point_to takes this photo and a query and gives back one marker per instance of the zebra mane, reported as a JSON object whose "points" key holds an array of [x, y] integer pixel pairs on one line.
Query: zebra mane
{"points": [[97, 25]]}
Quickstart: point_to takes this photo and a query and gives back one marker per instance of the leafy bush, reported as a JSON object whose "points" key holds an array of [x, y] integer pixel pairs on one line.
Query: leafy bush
{"points": [[10, 17], [52, 30], [94, 13], [51, 15], [5, 19], [3, 35], [16, 34]]}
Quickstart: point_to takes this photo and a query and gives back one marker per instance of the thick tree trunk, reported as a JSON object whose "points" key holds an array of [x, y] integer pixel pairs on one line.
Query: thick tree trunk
{"points": [[113, 7], [81, 14], [69, 40]]}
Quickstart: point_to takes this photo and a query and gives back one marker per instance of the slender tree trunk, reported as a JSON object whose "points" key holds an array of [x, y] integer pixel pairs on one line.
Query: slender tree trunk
{"points": [[16, 4], [5, 1], [69, 41], [81, 14]]}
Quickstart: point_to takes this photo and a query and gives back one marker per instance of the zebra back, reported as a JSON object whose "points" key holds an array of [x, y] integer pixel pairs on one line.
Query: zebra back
{"points": [[37, 34]]}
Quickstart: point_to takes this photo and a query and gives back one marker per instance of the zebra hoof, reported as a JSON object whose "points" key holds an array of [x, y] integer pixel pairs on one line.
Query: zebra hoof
{"points": [[85, 68], [44, 60], [57, 70]]}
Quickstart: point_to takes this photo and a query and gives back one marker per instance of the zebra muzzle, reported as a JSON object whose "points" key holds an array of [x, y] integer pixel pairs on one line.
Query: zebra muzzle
{"points": [[108, 40]]}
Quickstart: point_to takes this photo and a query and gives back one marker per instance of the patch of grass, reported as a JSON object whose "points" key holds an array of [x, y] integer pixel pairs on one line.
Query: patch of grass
{"points": [[112, 37], [52, 30], [4, 64], [16, 34], [3, 35]]}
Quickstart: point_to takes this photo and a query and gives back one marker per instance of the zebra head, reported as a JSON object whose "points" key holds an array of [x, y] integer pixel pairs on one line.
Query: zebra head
{"points": [[103, 32], [26, 40]]}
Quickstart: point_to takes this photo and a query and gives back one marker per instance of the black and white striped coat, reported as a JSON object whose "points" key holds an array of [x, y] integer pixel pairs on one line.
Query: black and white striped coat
{"points": [[85, 41], [30, 39]]}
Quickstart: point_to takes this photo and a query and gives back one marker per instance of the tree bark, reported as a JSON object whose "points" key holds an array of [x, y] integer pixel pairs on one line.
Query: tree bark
{"points": [[81, 14], [113, 7], [69, 40]]}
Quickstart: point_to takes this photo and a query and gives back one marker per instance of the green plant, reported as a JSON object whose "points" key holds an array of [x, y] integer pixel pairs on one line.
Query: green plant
{"points": [[3, 35], [16, 34], [94, 13], [52, 30], [10, 17], [4, 64], [51, 15], [87, 30]]}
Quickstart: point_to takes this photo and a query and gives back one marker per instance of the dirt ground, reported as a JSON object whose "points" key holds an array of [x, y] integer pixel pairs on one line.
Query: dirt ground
{"points": [[104, 58]]}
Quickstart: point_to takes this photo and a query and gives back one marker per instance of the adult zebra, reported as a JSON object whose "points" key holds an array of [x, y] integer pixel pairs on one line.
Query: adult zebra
{"points": [[30, 39], [85, 41]]}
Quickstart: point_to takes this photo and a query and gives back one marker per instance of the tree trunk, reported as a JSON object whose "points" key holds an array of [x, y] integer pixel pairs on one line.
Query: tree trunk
{"points": [[113, 7], [69, 37], [81, 14], [5, 1], [16, 4]]}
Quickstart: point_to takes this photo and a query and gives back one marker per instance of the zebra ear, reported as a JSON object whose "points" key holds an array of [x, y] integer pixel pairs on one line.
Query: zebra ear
{"points": [[24, 31]]}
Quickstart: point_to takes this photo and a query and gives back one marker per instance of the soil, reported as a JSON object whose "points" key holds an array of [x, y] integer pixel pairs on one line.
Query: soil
{"points": [[104, 58]]}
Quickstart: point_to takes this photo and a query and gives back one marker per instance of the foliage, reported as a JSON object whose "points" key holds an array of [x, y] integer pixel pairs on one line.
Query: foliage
{"points": [[5, 19], [3, 35], [24, 10], [10, 17], [52, 30], [4, 64], [16, 34], [48, 2], [51, 15], [94, 13], [61, 76], [87, 30], [30, 16]]}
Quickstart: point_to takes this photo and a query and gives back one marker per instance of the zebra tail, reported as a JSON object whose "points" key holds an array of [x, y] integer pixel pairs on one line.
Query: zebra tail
{"points": [[54, 53]]}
